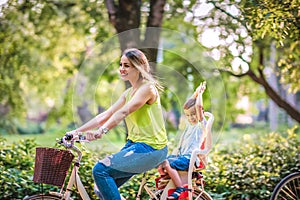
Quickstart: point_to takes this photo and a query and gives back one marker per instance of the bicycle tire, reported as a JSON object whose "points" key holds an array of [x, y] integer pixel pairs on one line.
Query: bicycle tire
{"points": [[288, 188], [43, 197], [204, 195]]}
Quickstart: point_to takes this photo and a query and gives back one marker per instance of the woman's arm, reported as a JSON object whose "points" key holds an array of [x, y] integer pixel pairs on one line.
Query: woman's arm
{"points": [[145, 94], [101, 118]]}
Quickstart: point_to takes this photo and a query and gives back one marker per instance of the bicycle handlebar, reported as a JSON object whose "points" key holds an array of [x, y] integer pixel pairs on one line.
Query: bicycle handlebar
{"points": [[69, 139], [68, 142]]}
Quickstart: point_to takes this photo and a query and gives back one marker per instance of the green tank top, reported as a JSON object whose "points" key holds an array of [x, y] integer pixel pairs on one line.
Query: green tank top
{"points": [[147, 125]]}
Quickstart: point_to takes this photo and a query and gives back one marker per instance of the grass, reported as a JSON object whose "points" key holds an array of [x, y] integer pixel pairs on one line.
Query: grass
{"points": [[113, 141], [231, 137], [110, 143]]}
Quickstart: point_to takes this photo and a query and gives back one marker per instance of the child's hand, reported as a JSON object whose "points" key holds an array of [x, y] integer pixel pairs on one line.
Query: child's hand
{"points": [[201, 88]]}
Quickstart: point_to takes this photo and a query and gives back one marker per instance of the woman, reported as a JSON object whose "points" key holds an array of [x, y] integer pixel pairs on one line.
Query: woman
{"points": [[140, 107]]}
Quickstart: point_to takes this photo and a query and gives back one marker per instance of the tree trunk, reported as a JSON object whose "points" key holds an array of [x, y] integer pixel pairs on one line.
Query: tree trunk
{"points": [[272, 80], [291, 98], [152, 33], [126, 16]]}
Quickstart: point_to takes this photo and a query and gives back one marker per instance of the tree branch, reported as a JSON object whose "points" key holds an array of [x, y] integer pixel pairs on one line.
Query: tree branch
{"points": [[292, 111], [224, 11], [232, 74], [228, 14]]}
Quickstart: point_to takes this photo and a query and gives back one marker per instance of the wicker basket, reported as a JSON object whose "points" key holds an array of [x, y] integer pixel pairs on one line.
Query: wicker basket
{"points": [[51, 165]]}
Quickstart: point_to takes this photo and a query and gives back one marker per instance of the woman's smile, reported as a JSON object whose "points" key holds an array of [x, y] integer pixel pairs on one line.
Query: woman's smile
{"points": [[127, 70], [123, 72]]}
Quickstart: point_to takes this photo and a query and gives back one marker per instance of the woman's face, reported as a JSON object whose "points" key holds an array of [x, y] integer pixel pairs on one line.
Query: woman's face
{"points": [[191, 115], [127, 70]]}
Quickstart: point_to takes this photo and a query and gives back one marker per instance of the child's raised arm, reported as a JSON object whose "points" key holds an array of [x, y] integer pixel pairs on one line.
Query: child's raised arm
{"points": [[199, 101]]}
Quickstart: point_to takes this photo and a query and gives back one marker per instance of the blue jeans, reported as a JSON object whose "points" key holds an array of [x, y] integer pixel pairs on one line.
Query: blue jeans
{"points": [[180, 162], [114, 170]]}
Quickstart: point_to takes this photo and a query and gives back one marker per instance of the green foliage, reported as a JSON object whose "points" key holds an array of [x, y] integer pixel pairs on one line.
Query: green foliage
{"points": [[43, 44], [17, 167], [183, 70], [276, 19], [253, 170], [250, 171], [130, 189], [245, 32], [289, 65]]}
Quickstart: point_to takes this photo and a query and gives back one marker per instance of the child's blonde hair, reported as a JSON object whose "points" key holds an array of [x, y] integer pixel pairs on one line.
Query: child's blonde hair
{"points": [[189, 103]]}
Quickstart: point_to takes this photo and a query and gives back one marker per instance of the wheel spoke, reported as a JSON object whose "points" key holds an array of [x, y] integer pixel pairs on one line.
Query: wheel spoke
{"points": [[288, 188]]}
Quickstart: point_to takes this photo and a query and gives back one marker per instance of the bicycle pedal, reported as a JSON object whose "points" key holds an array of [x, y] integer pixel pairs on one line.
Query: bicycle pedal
{"points": [[197, 175]]}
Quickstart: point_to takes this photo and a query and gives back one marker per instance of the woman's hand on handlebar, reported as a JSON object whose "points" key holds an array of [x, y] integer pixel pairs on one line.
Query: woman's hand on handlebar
{"points": [[90, 135], [73, 133], [75, 136], [94, 135]]}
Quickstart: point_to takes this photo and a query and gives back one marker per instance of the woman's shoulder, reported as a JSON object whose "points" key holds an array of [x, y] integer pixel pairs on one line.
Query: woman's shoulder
{"points": [[149, 87], [148, 84]]}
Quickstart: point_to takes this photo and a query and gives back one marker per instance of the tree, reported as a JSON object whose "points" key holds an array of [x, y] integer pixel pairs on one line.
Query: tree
{"points": [[246, 30], [128, 16], [43, 44]]}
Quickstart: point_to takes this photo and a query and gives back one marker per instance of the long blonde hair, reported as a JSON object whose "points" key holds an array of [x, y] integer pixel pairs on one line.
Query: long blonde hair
{"points": [[138, 59]]}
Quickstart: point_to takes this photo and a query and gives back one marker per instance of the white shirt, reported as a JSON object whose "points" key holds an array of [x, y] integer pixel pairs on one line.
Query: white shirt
{"points": [[191, 139]]}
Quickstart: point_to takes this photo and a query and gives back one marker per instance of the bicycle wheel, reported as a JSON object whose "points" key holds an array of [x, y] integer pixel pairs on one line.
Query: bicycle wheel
{"points": [[288, 188], [198, 194], [43, 197]]}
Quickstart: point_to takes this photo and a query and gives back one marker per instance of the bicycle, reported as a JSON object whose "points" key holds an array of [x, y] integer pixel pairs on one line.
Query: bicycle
{"points": [[68, 142], [74, 179], [288, 188]]}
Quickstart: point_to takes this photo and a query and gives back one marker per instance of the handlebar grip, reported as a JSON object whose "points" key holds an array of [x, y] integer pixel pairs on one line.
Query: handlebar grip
{"points": [[69, 139], [68, 136], [81, 137]]}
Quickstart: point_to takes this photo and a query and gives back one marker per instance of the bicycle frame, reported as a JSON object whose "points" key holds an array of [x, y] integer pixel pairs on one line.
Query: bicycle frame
{"points": [[74, 179], [164, 194]]}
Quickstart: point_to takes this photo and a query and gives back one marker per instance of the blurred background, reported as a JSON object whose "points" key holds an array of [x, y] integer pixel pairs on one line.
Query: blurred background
{"points": [[59, 65], [59, 60]]}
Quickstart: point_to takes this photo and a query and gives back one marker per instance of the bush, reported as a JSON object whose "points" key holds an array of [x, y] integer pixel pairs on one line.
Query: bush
{"points": [[17, 167], [253, 170], [248, 172]]}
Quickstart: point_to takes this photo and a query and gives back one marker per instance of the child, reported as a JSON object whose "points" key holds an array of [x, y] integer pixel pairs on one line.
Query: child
{"points": [[193, 136]]}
